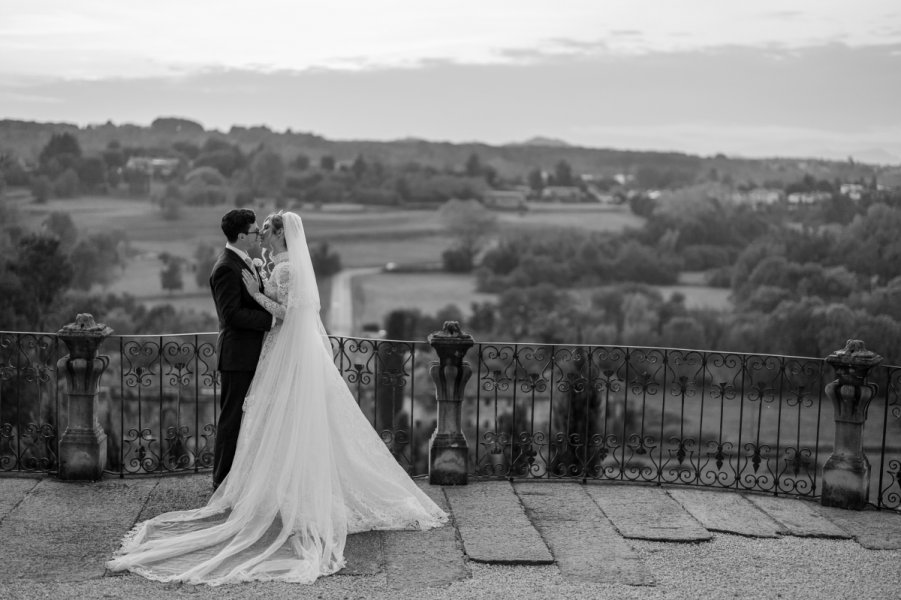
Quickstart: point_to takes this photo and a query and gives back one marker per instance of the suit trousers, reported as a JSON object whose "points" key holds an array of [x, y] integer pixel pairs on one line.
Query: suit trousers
{"points": [[231, 403]]}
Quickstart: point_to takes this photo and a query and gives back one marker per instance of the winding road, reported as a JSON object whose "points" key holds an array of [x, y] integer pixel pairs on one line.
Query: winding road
{"points": [[341, 310]]}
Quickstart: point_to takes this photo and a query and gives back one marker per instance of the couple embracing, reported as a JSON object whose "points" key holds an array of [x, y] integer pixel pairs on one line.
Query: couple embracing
{"points": [[297, 465]]}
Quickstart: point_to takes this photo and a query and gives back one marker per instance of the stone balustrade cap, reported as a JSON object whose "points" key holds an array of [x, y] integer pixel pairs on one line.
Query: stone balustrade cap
{"points": [[854, 354], [85, 326]]}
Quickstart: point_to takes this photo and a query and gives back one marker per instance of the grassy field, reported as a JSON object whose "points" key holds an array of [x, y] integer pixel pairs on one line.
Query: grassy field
{"points": [[580, 216], [429, 292], [696, 296], [700, 296]]}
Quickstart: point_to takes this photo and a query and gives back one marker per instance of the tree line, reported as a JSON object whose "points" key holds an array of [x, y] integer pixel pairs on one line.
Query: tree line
{"points": [[800, 282]]}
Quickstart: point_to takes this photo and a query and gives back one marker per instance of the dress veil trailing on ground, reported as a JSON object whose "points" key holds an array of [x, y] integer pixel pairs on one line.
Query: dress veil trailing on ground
{"points": [[308, 470]]}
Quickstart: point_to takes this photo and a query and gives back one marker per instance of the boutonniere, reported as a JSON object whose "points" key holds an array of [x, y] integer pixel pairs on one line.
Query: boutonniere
{"points": [[260, 265]]}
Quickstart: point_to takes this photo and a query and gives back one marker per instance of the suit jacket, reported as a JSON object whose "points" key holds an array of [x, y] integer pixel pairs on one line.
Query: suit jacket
{"points": [[242, 322]]}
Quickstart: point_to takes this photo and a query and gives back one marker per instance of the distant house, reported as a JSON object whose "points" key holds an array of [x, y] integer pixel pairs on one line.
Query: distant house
{"points": [[505, 199], [164, 167], [808, 197], [854, 191], [758, 197], [562, 193]]}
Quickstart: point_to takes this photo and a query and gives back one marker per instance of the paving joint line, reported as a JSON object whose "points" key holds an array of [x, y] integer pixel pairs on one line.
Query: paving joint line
{"points": [[530, 516], [106, 571], [38, 482]]}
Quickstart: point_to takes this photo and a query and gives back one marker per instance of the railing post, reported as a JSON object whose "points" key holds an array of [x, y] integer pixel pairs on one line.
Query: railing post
{"points": [[846, 475], [448, 451], [82, 448]]}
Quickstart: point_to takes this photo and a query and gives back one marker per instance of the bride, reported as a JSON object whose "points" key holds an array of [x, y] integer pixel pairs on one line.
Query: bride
{"points": [[308, 469]]}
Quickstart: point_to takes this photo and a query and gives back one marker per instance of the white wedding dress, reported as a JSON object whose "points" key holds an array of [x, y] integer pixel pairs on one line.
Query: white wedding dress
{"points": [[308, 469]]}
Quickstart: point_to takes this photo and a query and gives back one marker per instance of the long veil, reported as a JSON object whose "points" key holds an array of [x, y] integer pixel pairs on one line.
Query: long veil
{"points": [[308, 469]]}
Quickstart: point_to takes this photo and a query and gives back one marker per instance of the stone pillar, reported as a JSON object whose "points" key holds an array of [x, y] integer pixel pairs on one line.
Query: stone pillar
{"points": [[82, 448], [846, 475], [448, 451]]}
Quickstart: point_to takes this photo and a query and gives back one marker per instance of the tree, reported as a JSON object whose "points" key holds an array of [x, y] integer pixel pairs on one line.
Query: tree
{"points": [[41, 188], [402, 188], [301, 162], [62, 152], [473, 165], [222, 156], [536, 179], [359, 167], [325, 262], [327, 163], [92, 173], [189, 150], [204, 259], [469, 223], [170, 203], [563, 174], [44, 273], [170, 275], [267, 171], [870, 244], [61, 225], [175, 125], [96, 258], [67, 185]]}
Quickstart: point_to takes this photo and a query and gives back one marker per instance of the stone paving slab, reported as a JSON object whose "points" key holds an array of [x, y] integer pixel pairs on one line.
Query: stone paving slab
{"points": [[727, 512], [873, 529], [68, 530], [363, 553], [584, 543], [646, 513], [420, 559], [183, 492], [494, 526], [12, 492], [797, 517]]}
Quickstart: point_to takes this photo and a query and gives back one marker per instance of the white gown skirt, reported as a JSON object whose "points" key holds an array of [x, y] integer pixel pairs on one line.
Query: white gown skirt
{"points": [[308, 470]]}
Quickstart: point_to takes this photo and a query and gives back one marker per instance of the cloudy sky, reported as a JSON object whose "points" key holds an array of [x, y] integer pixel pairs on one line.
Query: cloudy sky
{"points": [[761, 78]]}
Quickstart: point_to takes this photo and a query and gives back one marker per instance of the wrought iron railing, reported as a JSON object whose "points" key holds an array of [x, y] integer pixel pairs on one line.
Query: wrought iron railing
{"points": [[159, 399], [745, 422], [658, 415]]}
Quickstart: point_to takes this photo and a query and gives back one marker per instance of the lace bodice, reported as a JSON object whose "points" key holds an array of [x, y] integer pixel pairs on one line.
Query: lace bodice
{"points": [[276, 287]]}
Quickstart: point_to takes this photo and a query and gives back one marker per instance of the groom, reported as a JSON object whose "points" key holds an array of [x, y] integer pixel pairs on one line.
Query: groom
{"points": [[242, 325]]}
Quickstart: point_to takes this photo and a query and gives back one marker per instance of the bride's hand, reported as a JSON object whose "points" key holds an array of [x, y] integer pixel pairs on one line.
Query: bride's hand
{"points": [[250, 283]]}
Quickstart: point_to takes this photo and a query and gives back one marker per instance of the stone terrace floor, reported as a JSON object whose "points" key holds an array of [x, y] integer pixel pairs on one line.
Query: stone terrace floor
{"points": [[530, 539]]}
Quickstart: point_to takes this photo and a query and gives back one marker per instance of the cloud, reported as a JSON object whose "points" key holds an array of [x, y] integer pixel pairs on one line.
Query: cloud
{"points": [[731, 99]]}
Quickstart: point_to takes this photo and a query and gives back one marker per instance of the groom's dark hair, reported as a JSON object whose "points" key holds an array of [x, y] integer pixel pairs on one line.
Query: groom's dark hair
{"points": [[237, 221]]}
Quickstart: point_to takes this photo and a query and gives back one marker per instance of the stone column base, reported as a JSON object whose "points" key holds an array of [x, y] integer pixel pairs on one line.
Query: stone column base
{"points": [[82, 455], [846, 481], [448, 459]]}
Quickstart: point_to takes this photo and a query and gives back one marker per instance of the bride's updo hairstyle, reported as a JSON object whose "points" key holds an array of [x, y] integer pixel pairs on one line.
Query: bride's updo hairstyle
{"points": [[277, 223]]}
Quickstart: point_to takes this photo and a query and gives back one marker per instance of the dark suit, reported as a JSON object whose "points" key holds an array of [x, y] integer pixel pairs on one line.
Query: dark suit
{"points": [[242, 325]]}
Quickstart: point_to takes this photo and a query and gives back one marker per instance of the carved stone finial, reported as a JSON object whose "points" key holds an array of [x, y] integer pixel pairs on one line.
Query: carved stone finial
{"points": [[84, 324], [854, 353], [451, 329]]}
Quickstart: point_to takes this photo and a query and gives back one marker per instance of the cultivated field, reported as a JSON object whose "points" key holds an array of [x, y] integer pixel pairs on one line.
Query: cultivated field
{"points": [[363, 237]]}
